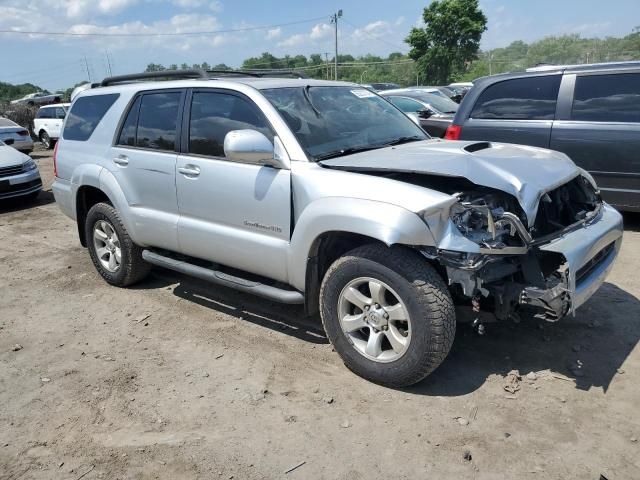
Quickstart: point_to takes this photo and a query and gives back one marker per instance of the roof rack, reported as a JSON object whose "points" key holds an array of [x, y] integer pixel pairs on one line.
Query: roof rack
{"points": [[191, 74], [169, 74]]}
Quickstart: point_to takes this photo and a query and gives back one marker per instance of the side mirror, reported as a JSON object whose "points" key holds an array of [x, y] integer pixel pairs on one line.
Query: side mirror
{"points": [[424, 113], [250, 146]]}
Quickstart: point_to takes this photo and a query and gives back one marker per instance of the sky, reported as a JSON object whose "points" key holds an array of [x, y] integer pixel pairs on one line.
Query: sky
{"points": [[367, 26]]}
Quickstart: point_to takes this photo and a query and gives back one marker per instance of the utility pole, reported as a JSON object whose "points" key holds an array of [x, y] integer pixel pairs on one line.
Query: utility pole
{"points": [[334, 20], [490, 58], [86, 65], [326, 62], [106, 54]]}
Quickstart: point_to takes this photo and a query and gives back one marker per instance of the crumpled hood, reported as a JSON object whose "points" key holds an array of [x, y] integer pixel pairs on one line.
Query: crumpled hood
{"points": [[10, 157], [524, 172]]}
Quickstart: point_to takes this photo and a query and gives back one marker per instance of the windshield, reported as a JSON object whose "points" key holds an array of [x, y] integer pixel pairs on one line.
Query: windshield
{"points": [[441, 104], [333, 121]]}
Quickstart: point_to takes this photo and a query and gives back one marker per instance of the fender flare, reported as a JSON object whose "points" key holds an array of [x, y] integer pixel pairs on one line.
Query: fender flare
{"points": [[385, 222], [92, 175]]}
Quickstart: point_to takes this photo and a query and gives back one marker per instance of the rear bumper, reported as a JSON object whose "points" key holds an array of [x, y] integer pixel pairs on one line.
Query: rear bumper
{"points": [[590, 253], [62, 192], [22, 184]]}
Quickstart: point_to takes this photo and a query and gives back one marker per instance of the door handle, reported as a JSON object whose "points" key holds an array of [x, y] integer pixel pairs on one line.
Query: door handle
{"points": [[121, 160], [189, 170]]}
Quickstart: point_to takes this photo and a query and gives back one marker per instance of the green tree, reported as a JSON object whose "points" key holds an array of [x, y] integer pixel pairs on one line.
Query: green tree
{"points": [[449, 40]]}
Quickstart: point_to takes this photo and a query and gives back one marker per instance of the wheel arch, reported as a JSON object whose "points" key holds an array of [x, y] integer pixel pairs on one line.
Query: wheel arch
{"points": [[95, 185], [333, 226]]}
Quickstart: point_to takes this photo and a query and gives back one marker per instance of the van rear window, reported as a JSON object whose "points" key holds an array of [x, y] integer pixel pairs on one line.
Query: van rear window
{"points": [[85, 115]]}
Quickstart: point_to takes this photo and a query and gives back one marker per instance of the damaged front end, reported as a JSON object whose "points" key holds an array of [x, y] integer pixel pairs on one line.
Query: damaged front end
{"points": [[500, 262]]}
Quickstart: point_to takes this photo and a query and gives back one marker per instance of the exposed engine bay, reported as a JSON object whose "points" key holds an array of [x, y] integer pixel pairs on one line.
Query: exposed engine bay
{"points": [[510, 277]]}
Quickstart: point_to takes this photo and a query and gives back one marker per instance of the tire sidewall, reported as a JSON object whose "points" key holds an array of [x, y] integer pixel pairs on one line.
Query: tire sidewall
{"points": [[106, 213], [45, 140], [421, 332]]}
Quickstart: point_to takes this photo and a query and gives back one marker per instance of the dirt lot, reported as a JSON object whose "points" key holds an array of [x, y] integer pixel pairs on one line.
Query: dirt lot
{"points": [[176, 379]]}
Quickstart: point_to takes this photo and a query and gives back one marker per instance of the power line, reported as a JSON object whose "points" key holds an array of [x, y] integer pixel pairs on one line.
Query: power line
{"points": [[161, 34], [375, 37]]}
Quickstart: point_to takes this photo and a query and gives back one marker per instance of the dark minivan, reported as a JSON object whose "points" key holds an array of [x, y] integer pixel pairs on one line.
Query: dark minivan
{"points": [[589, 112]]}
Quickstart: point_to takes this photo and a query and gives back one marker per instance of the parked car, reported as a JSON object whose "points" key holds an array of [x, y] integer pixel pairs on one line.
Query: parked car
{"points": [[39, 98], [589, 112], [433, 113], [379, 87], [19, 175], [323, 193], [15, 136], [48, 123]]}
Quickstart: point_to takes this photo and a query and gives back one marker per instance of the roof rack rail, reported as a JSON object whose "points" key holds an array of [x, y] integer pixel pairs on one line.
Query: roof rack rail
{"points": [[191, 74], [260, 73], [169, 74]]}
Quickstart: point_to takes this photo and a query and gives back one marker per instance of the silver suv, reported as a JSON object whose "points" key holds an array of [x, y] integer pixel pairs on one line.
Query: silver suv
{"points": [[324, 194]]}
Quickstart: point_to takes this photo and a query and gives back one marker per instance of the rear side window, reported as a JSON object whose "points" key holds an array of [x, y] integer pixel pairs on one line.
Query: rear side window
{"points": [[85, 115], [532, 98], [158, 120], [213, 115], [607, 98], [60, 112], [406, 105], [45, 113]]}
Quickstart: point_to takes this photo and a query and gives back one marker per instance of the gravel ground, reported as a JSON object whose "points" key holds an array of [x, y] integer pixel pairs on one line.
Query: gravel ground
{"points": [[177, 379]]}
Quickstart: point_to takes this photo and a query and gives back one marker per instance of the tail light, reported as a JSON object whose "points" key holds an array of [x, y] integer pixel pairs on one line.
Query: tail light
{"points": [[453, 132], [55, 156], [23, 133]]}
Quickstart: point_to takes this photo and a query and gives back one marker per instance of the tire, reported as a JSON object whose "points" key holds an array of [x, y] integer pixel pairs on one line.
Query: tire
{"points": [[131, 268], [46, 140], [407, 277]]}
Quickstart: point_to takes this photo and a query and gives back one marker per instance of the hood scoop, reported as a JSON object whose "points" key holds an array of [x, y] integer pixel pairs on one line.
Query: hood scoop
{"points": [[477, 146]]}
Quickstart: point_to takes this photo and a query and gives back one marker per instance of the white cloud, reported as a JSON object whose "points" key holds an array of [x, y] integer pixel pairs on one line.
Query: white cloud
{"points": [[274, 33], [500, 9], [320, 31], [379, 28], [399, 21], [214, 6]]}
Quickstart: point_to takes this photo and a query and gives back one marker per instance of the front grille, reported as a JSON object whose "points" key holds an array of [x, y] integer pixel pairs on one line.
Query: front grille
{"points": [[9, 171], [12, 190], [564, 206], [592, 264]]}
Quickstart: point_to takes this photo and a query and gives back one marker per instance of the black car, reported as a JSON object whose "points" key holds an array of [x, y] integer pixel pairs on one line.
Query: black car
{"points": [[589, 112], [433, 113]]}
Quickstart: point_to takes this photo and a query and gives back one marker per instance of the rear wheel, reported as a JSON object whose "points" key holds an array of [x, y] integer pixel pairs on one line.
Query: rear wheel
{"points": [[115, 256], [388, 314], [45, 140]]}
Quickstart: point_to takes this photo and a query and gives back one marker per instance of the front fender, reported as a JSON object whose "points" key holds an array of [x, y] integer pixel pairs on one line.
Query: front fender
{"points": [[388, 223]]}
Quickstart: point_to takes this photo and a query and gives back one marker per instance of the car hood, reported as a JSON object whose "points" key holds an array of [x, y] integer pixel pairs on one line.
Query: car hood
{"points": [[525, 172], [10, 157]]}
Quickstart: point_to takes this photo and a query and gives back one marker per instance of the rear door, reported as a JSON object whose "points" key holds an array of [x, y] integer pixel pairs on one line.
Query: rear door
{"points": [[143, 160], [598, 126], [236, 214], [56, 122], [517, 110]]}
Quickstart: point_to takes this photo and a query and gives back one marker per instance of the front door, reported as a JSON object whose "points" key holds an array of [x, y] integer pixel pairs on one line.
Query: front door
{"points": [[231, 213]]}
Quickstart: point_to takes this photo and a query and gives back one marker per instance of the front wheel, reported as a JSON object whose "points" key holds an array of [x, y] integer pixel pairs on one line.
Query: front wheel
{"points": [[388, 314], [115, 256]]}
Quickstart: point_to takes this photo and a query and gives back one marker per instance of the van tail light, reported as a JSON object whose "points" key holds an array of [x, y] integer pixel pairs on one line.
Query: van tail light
{"points": [[453, 132], [23, 133], [55, 158]]}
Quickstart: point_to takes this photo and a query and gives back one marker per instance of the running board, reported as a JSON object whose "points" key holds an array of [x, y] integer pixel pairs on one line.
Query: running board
{"points": [[256, 288]]}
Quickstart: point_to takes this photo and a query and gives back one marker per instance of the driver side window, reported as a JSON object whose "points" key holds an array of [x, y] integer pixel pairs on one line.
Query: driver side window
{"points": [[215, 114]]}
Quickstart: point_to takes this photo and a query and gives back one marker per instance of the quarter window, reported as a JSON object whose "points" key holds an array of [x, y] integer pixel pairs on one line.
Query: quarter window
{"points": [[128, 132], [607, 98], [85, 115], [214, 114], [158, 120], [532, 98]]}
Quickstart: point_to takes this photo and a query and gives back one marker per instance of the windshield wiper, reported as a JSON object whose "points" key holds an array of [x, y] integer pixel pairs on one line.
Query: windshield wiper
{"points": [[401, 140], [305, 91], [347, 151]]}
